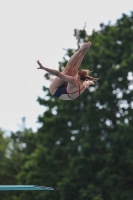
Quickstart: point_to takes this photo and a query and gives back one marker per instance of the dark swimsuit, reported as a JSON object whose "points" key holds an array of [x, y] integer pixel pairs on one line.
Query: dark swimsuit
{"points": [[63, 90]]}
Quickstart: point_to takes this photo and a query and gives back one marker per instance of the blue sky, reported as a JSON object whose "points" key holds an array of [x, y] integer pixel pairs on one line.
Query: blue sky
{"points": [[41, 29]]}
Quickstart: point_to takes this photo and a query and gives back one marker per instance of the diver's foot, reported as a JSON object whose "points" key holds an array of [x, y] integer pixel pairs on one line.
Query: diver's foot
{"points": [[89, 43], [86, 45]]}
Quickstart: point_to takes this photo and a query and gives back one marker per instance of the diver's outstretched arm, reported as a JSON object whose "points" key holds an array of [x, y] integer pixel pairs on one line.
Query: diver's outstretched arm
{"points": [[52, 71], [62, 76]]}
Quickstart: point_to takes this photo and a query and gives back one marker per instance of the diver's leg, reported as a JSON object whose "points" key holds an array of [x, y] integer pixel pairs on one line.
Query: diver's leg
{"points": [[76, 59]]}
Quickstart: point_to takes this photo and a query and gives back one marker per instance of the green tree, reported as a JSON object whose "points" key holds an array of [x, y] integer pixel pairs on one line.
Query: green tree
{"points": [[84, 148], [7, 175], [3, 151], [14, 151]]}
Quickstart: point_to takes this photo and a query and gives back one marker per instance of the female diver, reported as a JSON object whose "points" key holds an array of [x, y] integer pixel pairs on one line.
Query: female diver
{"points": [[77, 81]]}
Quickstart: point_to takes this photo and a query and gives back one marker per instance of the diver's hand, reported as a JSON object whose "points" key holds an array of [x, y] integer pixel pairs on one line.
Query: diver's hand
{"points": [[40, 65]]}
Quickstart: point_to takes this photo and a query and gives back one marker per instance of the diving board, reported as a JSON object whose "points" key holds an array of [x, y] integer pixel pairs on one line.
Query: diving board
{"points": [[24, 187]]}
